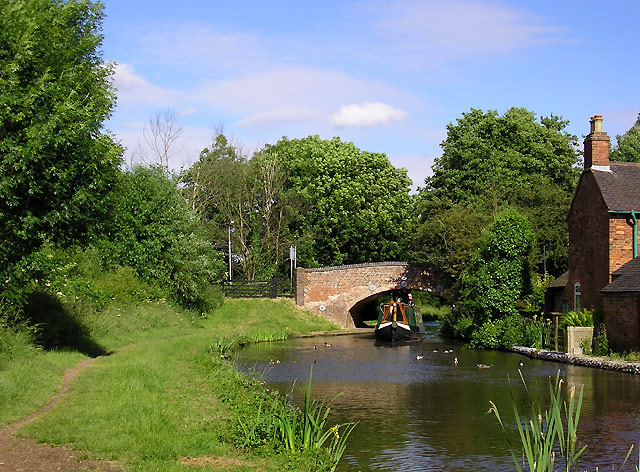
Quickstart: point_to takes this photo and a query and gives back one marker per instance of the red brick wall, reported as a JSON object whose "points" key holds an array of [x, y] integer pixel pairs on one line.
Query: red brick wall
{"points": [[596, 150], [589, 235], [620, 242], [333, 291], [621, 319]]}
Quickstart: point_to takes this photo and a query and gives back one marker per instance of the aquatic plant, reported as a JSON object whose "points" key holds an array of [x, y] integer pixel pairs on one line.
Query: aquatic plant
{"points": [[311, 432], [544, 433]]}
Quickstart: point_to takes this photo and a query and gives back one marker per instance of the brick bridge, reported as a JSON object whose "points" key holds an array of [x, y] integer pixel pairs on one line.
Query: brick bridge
{"points": [[348, 295]]}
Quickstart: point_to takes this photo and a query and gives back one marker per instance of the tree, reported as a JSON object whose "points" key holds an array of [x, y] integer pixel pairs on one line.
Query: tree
{"points": [[56, 161], [486, 152], [228, 190], [356, 205], [498, 282], [161, 134], [628, 149], [490, 163]]}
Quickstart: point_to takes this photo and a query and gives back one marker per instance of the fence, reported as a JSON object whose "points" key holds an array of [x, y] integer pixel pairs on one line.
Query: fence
{"points": [[256, 288]]}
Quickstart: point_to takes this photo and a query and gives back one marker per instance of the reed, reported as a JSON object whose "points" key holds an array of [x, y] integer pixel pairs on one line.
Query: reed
{"points": [[311, 431], [543, 434]]}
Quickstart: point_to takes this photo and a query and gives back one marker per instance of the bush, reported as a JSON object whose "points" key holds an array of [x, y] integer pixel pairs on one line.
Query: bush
{"points": [[600, 341], [498, 334], [532, 332], [578, 318], [153, 230]]}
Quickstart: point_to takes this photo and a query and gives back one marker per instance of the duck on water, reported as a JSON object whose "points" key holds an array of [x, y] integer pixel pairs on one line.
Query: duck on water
{"points": [[398, 321]]}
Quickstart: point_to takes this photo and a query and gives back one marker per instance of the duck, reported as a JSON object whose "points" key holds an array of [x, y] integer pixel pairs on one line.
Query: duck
{"points": [[455, 360], [419, 357], [484, 366], [326, 344], [435, 350], [520, 364]]}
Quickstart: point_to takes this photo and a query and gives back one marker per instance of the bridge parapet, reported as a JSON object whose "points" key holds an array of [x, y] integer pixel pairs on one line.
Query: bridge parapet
{"points": [[333, 292]]}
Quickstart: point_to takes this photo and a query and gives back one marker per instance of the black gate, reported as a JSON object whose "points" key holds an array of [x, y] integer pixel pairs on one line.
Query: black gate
{"points": [[256, 288]]}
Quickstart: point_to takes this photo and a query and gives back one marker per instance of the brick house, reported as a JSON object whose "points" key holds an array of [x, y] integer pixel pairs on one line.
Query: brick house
{"points": [[603, 242]]}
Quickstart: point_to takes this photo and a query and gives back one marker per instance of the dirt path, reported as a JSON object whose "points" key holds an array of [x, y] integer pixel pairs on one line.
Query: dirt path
{"points": [[22, 454]]}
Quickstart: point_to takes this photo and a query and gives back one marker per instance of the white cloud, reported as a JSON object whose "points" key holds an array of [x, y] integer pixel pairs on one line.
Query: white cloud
{"points": [[418, 33], [278, 117], [133, 88], [366, 114], [188, 111], [293, 95]]}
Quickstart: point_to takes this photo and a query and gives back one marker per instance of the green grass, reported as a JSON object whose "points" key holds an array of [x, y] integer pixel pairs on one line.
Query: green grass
{"points": [[29, 381], [169, 394]]}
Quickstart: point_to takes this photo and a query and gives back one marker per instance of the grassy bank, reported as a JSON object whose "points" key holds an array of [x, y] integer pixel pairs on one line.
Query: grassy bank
{"points": [[168, 398]]}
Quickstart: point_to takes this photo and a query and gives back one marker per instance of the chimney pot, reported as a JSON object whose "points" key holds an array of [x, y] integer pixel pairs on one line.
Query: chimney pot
{"points": [[596, 124]]}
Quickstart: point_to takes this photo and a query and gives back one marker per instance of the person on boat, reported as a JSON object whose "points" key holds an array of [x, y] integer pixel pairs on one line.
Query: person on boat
{"points": [[411, 301]]}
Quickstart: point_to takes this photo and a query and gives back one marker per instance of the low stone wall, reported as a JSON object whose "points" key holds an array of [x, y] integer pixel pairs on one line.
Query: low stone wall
{"points": [[585, 361]]}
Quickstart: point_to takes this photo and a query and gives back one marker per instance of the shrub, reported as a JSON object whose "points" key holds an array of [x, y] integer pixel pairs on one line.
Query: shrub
{"points": [[499, 334], [532, 331], [578, 318], [498, 283], [153, 230]]}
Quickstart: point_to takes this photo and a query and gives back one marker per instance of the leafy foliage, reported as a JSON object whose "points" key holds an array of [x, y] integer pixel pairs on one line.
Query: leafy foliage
{"points": [[227, 190], [153, 230], [628, 148], [489, 163], [498, 283], [578, 318], [356, 205], [56, 162]]}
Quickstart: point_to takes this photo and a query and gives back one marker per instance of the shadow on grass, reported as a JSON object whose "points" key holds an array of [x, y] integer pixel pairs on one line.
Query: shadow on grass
{"points": [[57, 328]]}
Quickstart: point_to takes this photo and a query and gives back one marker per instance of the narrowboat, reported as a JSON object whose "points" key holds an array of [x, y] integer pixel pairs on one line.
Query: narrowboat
{"points": [[398, 322]]}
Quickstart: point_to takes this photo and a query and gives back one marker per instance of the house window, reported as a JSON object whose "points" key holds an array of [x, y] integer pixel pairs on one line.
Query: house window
{"points": [[576, 296], [565, 307]]}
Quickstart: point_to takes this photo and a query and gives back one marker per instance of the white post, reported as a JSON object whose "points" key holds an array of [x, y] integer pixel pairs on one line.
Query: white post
{"points": [[230, 250]]}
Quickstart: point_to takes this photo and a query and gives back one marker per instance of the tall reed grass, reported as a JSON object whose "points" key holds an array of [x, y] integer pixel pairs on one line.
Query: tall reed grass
{"points": [[548, 438], [310, 431]]}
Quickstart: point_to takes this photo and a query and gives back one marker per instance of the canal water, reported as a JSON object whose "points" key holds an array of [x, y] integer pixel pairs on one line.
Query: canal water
{"points": [[431, 414]]}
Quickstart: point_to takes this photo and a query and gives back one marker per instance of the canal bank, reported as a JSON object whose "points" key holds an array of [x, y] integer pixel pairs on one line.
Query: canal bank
{"points": [[579, 360]]}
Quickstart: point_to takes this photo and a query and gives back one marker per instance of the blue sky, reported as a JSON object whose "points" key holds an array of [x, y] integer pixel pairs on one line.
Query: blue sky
{"points": [[386, 75]]}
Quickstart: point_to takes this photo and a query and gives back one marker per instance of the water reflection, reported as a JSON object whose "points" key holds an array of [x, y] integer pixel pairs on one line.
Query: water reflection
{"points": [[431, 414]]}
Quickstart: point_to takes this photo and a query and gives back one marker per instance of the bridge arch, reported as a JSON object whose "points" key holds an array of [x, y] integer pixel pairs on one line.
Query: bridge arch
{"points": [[343, 294]]}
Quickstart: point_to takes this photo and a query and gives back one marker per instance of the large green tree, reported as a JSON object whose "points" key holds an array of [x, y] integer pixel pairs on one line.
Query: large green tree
{"points": [[628, 148], [56, 161], [491, 162], [356, 205]]}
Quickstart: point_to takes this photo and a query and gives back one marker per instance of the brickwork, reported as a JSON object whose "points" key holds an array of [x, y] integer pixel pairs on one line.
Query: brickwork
{"points": [[596, 150], [620, 313], [620, 242], [332, 292], [589, 235]]}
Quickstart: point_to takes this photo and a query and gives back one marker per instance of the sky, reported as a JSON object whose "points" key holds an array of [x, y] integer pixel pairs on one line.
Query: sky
{"points": [[388, 76]]}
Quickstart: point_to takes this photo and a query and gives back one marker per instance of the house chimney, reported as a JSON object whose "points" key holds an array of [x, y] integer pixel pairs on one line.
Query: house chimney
{"points": [[596, 146]]}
